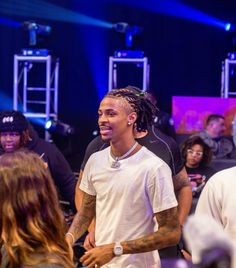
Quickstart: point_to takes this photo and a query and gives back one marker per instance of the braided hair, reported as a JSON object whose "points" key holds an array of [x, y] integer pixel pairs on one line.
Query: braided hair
{"points": [[140, 102]]}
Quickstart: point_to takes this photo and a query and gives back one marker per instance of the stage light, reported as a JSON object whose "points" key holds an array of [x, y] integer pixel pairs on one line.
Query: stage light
{"points": [[227, 27], [230, 27], [48, 124], [120, 27], [128, 30], [34, 30], [58, 127]]}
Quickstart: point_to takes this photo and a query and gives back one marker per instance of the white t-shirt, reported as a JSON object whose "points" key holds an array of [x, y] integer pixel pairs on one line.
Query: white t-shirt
{"points": [[218, 199], [126, 199]]}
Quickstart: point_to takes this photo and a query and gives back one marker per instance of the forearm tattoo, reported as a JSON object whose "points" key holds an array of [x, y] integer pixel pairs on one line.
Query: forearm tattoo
{"points": [[168, 234], [181, 180], [84, 217]]}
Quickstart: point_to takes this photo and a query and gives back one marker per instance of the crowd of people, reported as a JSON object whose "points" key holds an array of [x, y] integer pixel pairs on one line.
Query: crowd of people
{"points": [[136, 189]]}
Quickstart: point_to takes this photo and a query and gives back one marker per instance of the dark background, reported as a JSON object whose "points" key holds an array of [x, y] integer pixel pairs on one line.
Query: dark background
{"points": [[185, 56]]}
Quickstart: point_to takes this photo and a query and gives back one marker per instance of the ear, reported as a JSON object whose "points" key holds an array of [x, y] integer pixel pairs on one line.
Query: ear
{"points": [[132, 117]]}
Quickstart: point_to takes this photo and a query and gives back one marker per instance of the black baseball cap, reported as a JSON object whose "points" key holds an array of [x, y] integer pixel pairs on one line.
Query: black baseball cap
{"points": [[12, 121]]}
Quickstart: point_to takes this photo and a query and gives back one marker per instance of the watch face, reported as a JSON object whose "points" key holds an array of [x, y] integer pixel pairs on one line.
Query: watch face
{"points": [[118, 249]]}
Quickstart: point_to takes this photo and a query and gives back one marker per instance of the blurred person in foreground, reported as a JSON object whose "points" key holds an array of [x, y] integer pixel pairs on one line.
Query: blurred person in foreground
{"points": [[31, 221], [218, 200], [210, 246]]}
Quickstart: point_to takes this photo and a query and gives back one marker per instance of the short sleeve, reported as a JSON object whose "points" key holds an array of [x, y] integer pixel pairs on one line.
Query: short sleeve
{"points": [[86, 184], [160, 189], [94, 146]]}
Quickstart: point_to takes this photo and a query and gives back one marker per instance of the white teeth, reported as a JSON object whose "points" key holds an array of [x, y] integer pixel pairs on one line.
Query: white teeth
{"points": [[104, 128]]}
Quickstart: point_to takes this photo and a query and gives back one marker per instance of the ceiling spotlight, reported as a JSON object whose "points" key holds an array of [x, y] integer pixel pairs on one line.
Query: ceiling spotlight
{"points": [[227, 27], [58, 127], [35, 29], [230, 27], [120, 27], [128, 30]]}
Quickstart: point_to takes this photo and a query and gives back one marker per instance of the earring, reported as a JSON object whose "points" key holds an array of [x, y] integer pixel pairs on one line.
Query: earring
{"points": [[129, 123]]}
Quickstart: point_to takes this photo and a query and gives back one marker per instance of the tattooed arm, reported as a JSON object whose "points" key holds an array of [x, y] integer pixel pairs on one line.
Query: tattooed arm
{"points": [[82, 218], [78, 192], [183, 193], [90, 238], [168, 234]]}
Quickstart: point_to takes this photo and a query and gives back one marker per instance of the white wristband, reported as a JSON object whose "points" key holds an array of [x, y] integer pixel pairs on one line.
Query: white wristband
{"points": [[72, 236]]}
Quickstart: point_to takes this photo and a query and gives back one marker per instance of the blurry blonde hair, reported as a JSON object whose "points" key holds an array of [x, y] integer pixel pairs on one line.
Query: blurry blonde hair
{"points": [[31, 222]]}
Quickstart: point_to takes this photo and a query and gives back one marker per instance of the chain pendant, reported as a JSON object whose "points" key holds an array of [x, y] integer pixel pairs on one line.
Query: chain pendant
{"points": [[115, 164]]}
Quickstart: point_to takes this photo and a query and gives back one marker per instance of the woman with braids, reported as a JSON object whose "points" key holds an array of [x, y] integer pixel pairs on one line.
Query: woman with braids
{"points": [[31, 222], [127, 188]]}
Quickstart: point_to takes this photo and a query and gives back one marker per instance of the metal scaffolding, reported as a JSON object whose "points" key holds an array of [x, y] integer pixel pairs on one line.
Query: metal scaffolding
{"points": [[113, 61], [36, 101], [228, 78]]}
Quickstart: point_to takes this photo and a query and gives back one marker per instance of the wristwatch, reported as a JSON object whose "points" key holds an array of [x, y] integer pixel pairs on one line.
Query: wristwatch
{"points": [[118, 249]]}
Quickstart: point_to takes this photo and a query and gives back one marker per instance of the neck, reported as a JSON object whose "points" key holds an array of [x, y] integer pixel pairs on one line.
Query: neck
{"points": [[120, 147], [192, 166]]}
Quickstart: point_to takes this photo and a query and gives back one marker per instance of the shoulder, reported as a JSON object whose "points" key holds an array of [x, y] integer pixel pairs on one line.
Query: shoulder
{"points": [[156, 138], [167, 140], [224, 177], [228, 141], [99, 154], [152, 159], [44, 145], [97, 144], [164, 147]]}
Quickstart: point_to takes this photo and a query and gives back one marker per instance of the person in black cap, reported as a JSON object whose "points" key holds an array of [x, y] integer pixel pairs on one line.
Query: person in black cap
{"points": [[13, 129], [16, 132]]}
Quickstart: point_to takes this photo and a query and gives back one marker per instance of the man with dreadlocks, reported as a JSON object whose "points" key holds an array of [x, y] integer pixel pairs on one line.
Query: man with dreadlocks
{"points": [[166, 149], [128, 189]]}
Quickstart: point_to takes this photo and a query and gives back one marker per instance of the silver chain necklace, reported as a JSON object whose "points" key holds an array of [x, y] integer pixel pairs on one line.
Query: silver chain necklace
{"points": [[116, 164]]}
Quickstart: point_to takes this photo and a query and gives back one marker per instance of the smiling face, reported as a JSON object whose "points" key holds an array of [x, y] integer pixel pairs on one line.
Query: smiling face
{"points": [[115, 118], [10, 141]]}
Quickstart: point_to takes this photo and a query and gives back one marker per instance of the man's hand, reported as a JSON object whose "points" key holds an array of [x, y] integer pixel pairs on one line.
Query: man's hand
{"points": [[89, 241], [98, 256]]}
